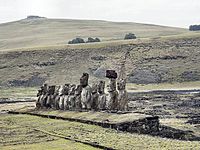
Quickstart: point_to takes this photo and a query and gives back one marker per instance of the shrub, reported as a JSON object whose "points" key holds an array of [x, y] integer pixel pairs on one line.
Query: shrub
{"points": [[91, 40], [194, 28], [129, 36], [76, 41]]}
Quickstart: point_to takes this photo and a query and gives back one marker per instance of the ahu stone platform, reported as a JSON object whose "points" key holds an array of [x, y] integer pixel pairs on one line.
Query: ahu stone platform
{"points": [[129, 122]]}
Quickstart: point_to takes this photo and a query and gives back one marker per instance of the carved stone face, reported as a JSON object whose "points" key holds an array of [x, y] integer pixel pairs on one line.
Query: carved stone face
{"points": [[84, 79], [111, 85], [78, 89], [101, 87], [121, 84]]}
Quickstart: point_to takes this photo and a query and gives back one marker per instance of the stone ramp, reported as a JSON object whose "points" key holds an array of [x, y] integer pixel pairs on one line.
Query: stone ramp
{"points": [[129, 122]]}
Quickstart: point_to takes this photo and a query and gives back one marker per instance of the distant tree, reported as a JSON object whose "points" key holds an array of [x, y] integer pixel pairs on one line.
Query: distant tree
{"points": [[91, 40], [194, 28], [76, 41], [129, 36]]}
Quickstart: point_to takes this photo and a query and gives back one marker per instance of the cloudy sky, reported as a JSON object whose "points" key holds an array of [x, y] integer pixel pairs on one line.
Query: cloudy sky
{"points": [[179, 13]]}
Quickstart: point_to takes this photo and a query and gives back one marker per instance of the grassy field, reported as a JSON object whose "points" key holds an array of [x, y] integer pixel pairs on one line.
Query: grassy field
{"points": [[20, 92], [78, 131]]}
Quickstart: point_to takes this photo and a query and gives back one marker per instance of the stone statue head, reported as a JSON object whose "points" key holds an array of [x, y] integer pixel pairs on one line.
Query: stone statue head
{"points": [[101, 87], [121, 84], [84, 80]]}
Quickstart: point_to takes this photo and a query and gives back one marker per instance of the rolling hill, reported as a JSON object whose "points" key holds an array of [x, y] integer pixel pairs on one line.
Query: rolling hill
{"points": [[40, 32], [34, 51]]}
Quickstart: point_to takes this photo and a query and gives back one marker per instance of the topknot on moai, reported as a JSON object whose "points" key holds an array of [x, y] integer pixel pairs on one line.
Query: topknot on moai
{"points": [[102, 95], [123, 96], [112, 99], [86, 92]]}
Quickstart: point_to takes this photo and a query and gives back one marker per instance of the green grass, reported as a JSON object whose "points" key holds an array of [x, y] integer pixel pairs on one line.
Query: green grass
{"points": [[91, 133], [19, 92], [163, 86]]}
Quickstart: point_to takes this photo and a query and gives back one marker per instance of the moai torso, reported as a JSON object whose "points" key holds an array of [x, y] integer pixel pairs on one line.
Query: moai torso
{"points": [[78, 91], [57, 96], [123, 96], [71, 97], [66, 92], [112, 103], [94, 97], [63, 96], [43, 97], [86, 92], [50, 98], [102, 96]]}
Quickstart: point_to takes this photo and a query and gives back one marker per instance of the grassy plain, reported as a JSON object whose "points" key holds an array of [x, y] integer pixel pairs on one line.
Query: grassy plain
{"points": [[82, 132]]}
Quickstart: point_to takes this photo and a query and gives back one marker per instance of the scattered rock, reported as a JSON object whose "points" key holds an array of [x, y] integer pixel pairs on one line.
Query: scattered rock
{"points": [[98, 58], [129, 36], [76, 41]]}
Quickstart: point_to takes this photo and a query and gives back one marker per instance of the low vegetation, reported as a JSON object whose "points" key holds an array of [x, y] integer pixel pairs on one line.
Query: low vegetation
{"points": [[130, 36], [82, 132], [194, 28]]}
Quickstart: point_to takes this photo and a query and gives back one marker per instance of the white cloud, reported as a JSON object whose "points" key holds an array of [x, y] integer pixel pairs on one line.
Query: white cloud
{"points": [[166, 12]]}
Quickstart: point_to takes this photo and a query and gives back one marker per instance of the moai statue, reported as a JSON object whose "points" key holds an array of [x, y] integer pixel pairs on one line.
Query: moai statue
{"points": [[39, 95], [71, 97], [50, 97], [94, 97], [112, 98], [57, 96], [102, 96], [43, 97], [78, 91], [66, 98], [86, 92], [123, 96], [63, 96]]}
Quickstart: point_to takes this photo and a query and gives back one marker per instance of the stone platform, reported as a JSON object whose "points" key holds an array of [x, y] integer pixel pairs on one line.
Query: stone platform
{"points": [[129, 122]]}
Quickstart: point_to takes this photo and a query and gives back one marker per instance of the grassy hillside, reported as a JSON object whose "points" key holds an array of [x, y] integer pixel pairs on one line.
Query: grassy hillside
{"points": [[47, 32], [156, 61], [34, 51]]}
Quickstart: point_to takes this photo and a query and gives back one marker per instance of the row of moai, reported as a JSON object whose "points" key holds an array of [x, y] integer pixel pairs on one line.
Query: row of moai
{"points": [[84, 97]]}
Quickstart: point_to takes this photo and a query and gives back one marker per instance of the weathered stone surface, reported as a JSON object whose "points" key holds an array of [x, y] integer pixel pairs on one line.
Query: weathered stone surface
{"points": [[112, 98], [102, 96], [94, 97], [78, 91], [123, 95], [84, 80]]}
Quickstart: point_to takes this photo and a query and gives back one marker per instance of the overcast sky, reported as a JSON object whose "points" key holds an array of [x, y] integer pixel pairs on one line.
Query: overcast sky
{"points": [[179, 13]]}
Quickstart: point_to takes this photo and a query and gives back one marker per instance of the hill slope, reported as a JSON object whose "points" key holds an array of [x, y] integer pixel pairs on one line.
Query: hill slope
{"points": [[46, 32]]}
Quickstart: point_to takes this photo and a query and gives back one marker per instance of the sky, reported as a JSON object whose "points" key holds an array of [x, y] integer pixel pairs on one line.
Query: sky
{"points": [[177, 13]]}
